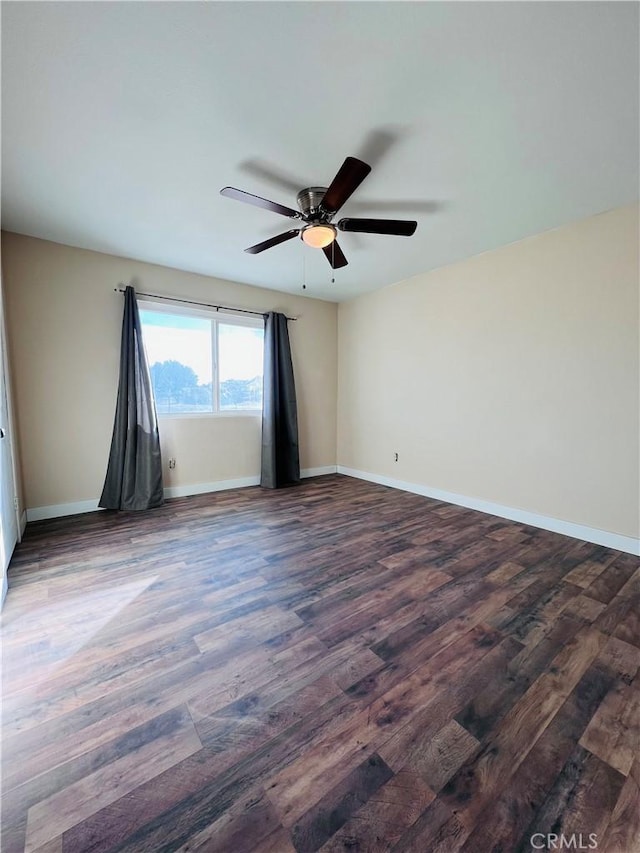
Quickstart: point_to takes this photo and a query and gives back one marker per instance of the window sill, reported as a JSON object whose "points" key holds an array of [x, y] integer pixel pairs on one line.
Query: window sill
{"points": [[240, 413]]}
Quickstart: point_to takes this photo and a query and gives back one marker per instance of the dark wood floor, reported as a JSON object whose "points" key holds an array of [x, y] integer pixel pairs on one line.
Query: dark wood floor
{"points": [[337, 666]]}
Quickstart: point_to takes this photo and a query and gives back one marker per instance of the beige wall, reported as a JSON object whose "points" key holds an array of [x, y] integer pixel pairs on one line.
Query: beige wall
{"points": [[512, 377], [64, 334]]}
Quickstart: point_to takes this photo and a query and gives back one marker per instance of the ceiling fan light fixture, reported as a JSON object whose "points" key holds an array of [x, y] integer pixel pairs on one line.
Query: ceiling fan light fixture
{"points": [[318, 236]]}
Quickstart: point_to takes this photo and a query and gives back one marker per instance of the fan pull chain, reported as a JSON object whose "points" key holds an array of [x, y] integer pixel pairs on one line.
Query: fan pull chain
{"points": [[333, 262], [304, 270]]}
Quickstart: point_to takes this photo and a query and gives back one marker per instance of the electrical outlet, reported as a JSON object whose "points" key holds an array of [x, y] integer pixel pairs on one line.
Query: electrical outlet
{"points": [[172, 463]]}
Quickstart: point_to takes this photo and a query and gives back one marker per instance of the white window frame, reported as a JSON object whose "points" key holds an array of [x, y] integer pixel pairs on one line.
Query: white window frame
{"points": [[224, 317]]}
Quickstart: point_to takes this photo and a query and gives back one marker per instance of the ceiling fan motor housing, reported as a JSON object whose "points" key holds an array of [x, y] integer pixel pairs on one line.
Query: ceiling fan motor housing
{"points": [[309, 202]]}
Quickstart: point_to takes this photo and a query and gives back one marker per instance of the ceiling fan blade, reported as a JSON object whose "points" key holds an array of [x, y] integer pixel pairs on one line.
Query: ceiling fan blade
{"points": [[273, 241], [335, 255], [350, 175], [248, 198], [397, 227]]}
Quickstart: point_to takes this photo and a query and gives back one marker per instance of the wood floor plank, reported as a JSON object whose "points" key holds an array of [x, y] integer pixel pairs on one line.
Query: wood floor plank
{"points": [[584, 607], [384, 818], [325, 818], [490, 705], [449, 748], [628, 629], [622, 658], [407, 745], [437, 830], [607, 585], [416, 609], [206, 784], [263, 625], [504, 825], [477, 783], [623, 831], [505, 572], [75, 692], [54, 815], [581, 800], [249, 822], [587, 572], [338, 750], [613, 733], [18, 800], [435, 631], [338, 666], [278, 842]]}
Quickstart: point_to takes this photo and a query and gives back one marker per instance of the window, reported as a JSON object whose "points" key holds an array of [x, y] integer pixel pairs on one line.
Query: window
{"points": [[203, 363]]}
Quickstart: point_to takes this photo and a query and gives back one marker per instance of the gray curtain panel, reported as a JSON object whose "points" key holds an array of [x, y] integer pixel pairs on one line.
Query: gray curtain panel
{"points": [[134, 472], [280, 456]]}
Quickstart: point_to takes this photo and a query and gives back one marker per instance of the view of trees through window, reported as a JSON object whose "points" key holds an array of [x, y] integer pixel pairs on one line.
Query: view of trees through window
{"points": [[176, 388], [180, 350]]}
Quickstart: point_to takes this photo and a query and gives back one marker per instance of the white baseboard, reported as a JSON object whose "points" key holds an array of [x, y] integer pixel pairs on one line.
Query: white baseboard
{"points": [[568, 528], [203, 488], [40, 513], [318, 472]]}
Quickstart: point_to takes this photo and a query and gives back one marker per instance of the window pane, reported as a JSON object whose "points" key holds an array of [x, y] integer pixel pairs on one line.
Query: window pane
{"points": [[179, 352], [240, 367]]}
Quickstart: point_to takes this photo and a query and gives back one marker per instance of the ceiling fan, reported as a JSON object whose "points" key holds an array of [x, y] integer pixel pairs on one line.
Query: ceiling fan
{"points": [[317, 207]]}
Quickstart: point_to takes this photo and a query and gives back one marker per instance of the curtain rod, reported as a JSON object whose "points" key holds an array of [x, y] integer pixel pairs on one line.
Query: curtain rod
{"points": [[202, 304]]}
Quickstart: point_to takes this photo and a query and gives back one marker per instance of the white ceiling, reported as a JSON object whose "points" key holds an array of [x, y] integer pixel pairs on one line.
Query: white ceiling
{"points": [[486, 122]]}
